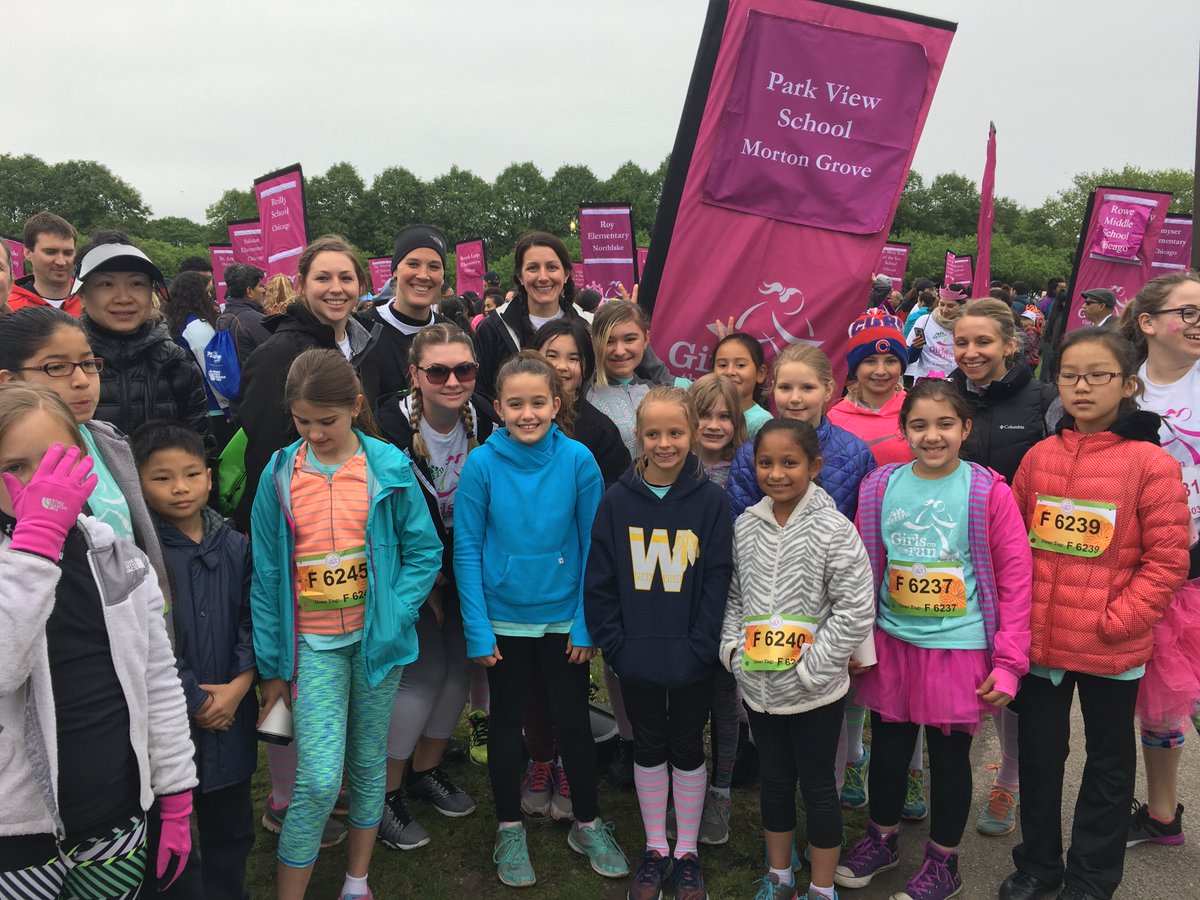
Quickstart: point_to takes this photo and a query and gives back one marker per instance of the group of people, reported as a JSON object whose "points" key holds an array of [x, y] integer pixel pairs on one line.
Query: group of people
{"points": [[430, 515]]}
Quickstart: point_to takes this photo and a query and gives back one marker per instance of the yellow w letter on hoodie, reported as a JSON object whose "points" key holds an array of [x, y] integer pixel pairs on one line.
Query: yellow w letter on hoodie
{"points": [[671, 560]]}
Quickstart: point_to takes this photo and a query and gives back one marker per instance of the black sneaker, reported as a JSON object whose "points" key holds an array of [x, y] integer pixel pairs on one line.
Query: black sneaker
{"points": [[1144, 829], [621, 767], [447, 797], [689, 880], [398, 830]]}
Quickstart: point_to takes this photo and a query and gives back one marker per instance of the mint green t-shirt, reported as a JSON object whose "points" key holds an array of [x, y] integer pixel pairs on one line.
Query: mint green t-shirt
{"points": [[924, 525], [756, 417], [107, 501]]}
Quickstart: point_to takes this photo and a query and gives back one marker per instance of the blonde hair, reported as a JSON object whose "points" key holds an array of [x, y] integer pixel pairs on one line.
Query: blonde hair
{"points": [[1001, 315], [608, 317], [19, 398], [325, 378], [810, 356], [1150, 299], [279, 294], [711, 389], [436, 336], [664, 394]]}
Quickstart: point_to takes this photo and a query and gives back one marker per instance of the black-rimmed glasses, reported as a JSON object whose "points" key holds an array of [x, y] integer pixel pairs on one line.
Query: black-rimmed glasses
{"points": [[67, 369]]}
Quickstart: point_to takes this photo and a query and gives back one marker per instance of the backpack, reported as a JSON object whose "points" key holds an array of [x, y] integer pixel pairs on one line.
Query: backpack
{"points": [[231, 473], [222, 370]]}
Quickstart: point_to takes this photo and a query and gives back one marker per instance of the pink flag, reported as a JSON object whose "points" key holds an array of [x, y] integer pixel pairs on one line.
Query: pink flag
{"points": [[221, 257], [469, 265], [1174, 250], [606, 245], [987, 210], [893, 262], [17, 249], [381, 272], [245, 236], [1122, 274], [281, 210], [580, 277], [642, 253], [958, 270], [798, 131]]}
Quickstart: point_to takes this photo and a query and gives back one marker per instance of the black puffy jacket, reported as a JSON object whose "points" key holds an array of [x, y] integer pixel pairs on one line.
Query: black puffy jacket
{"points": [[1007, 418], [148, 376]]}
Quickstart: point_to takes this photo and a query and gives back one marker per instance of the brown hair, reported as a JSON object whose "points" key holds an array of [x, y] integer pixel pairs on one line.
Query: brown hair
{"points": [[665, 393], [1150, 299], [935, 389], [706, 392], [436, 336], [19, 398], [325, 378], [608, 317], [530, 362], [329, 243], [1001, 313], [46, 222]]}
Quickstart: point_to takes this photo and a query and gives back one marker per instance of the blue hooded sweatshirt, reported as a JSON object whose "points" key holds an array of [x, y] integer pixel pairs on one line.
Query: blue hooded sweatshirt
{"points": [[522, 525]]}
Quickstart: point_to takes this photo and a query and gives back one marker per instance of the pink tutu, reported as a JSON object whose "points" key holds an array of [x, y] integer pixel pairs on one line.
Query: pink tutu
{"points": [[1171, 685], [930, 687]]}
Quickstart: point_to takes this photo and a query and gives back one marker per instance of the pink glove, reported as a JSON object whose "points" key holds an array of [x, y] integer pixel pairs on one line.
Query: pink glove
{"points": [[175, 836], [46, 507]]}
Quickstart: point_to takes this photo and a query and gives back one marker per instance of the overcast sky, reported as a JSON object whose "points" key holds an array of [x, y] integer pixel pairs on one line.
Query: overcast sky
{"points": [[186, 100]]}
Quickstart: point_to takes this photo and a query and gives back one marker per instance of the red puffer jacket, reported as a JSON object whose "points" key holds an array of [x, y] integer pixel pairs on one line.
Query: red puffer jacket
{"points": [[1094, 615]]}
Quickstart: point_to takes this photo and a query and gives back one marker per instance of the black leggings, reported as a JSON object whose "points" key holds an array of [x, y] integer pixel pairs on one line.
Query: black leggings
{"points": [[668, 725], [892, 746], [567, 686], [800, 748]]}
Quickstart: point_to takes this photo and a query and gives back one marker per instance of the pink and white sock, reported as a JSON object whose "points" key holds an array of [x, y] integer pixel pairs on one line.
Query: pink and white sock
{"points": [[281, 760], [689, 789], [653, 785]]}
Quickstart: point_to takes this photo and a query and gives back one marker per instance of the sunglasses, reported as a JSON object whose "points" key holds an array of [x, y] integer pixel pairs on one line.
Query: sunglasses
{"points": [[439, 375]]}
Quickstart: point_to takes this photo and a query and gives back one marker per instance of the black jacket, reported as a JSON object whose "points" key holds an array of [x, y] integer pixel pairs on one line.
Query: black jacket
{"points": [[243, 318], [385, 370], [148, 376], [262, 413], [655, 601], [600, 434], [494, 340], [1007, 418]]}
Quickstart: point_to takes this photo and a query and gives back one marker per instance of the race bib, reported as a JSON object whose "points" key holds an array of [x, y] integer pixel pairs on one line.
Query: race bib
{"points": [[1073, 527], [334, 580], [776, 642], [936, 589], [1191, 481]]}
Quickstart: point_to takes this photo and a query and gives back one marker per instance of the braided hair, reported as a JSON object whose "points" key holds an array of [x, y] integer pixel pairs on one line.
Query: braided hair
{"points": [[436, 336]]}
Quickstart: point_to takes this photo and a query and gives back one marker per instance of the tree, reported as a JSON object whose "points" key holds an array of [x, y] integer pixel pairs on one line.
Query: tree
{"points": [[335, 203], [570, 186], [397, 198], [632, 184], [175, 230], [460, 203], [85, 193], [234, 205], [519, 203], [1065, 211]]}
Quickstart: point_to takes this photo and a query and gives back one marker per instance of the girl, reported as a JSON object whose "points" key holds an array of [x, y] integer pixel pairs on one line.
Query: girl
{"points": [[1108, 522], [93, 725], [739, 357], [933, 335], [518, 561], [660, 634], [951, 577], [800, 572], [437, 425], [723, 429], [1157, 322], [191, 318], [1008, 411], [344, 556], [871, 408], [619, 340], [803, 387]]}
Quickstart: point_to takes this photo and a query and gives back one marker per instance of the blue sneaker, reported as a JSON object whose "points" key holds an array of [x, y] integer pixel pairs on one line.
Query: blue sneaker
{"points": [[511, 857], [915, 807], [771, 888], [854, 788], [597, 843]]}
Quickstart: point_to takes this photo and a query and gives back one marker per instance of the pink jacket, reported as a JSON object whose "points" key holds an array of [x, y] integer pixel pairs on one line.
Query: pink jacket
{"points": [[878, 429]]}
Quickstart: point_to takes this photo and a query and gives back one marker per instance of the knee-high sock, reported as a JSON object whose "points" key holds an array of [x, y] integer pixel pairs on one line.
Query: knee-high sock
{"points": [[688, 789], [652, 788]]}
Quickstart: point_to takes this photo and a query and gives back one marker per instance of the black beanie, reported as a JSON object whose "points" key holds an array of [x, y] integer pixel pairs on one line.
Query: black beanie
{"points": [[413, 236]]}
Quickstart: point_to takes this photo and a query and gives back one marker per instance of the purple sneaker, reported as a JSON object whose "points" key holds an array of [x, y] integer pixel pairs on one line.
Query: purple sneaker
{"points": [[875, 853], [1145, 829], [937, 879]]}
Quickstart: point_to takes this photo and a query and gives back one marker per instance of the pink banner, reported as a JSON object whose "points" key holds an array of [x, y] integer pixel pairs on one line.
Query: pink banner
{"points": [[221, 257], [580, 277], [893, 262], [958, 270], [280, 198], [381, 272], [810, 135], [1174, 250], [784, 283], [1119, 225], [1124, 277], [606, 245], [469, 266], [16, 247], [245, 237], [987, 210], [642, 253]]}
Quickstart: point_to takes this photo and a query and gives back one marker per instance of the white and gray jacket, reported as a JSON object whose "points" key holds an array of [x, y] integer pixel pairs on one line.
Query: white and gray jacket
{"points": [[142, 657], [813, 566]]}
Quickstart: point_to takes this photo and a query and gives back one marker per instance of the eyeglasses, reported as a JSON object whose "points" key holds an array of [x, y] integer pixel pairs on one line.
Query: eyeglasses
{"points": [[1189, 314], [67, 369], [1095, 379], [439, 375], [1090, 300]]}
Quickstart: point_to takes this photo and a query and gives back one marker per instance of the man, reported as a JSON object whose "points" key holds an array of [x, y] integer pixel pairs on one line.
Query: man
{"points": [[1020, 297], [199, 264], [50, 249], [243, 314], [1052, 288], [1099, 305]]}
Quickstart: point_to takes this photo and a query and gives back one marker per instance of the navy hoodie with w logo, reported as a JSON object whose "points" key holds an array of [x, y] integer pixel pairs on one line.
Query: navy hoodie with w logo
{"points": [[658, 577]]}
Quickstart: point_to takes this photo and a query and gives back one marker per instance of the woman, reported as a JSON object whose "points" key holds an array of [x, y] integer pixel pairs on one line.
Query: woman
{"points": [[933, 334], [191, 316]]}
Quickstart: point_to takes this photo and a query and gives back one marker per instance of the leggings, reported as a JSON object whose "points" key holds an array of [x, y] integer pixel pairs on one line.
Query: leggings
{"points": [[429, 700], [725, 707], [668, 725], [567, 685], [339, 719], [800, 748], [539, 728], [949, 777], [108, 866]]}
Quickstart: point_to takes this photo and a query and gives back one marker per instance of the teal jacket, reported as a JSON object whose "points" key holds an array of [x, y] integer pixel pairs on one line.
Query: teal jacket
{"points": [[404, 556]]}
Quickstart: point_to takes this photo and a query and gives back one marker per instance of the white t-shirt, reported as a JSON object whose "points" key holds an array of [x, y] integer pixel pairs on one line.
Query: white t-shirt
{"points": [[447, 455], [539, 321], [938, 352], [344, 346], [1179, 405]]}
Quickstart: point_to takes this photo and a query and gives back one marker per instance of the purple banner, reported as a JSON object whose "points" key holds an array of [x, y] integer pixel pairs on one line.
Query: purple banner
{"points": [[17, 249], [958, 269], [580, 277], [280, 198], [221, 257], [1174, 250], [893, 262], [810, 134], [469, 266], [245, 237], [1119, 225], [381, 272], [606, 245]]}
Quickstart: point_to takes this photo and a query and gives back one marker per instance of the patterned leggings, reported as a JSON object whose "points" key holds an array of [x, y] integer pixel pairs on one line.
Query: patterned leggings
{"points": [[339, 719], [106, 867], [1170, 736]]}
